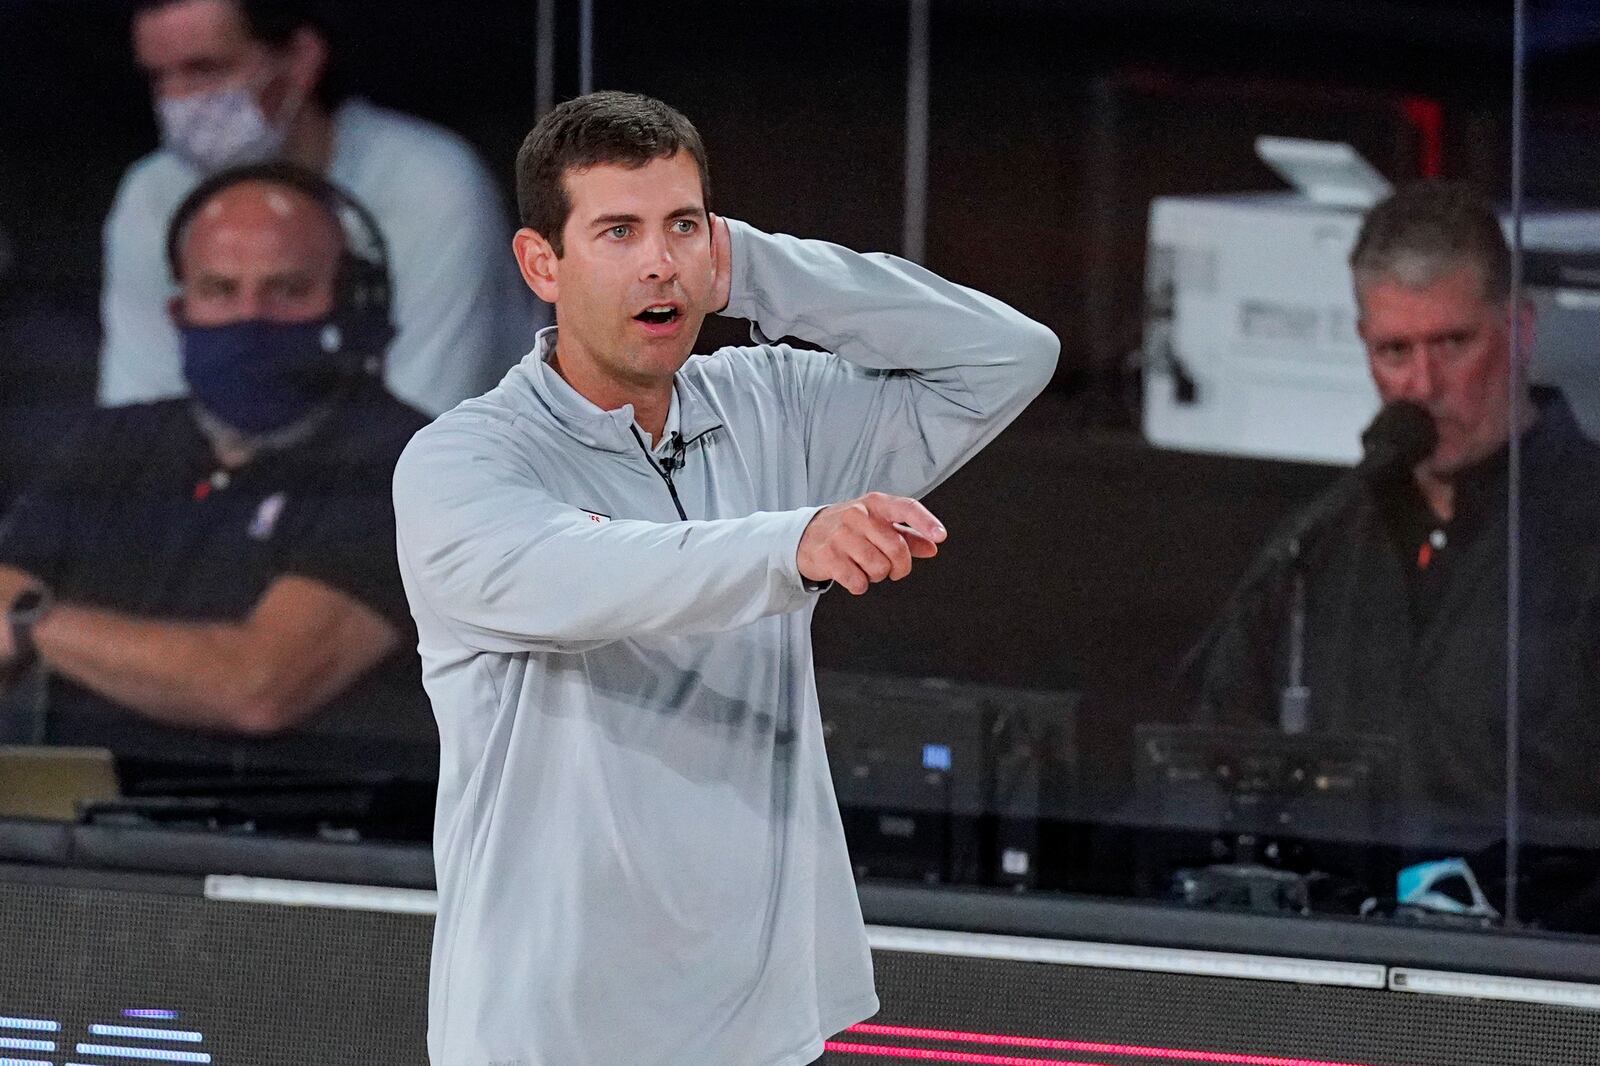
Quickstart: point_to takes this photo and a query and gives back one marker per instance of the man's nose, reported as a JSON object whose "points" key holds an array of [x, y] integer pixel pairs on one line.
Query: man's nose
{"points": [[1417, 383], [658, 263], [249, 305]]}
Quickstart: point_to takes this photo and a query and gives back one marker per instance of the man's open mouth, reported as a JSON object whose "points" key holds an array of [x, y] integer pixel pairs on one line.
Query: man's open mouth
{"points": [[659, 315]]}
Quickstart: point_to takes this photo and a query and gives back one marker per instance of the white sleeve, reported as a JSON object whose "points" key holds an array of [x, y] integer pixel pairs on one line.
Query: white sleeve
{"points": [[139, 358], [460, 304], [507, 567], [924, 372]]}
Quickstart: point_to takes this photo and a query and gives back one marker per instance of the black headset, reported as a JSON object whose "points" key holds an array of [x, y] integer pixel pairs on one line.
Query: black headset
{"points": [[363, 292]]}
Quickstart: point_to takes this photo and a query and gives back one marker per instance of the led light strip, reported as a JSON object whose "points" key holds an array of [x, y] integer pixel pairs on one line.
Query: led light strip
{"points": [[1044, 1044], [132, 1032], [929, 1055], [1129, 957], [1486, 986], [235, 889], [17, 1043], [35, 1025], [148, 1054]]}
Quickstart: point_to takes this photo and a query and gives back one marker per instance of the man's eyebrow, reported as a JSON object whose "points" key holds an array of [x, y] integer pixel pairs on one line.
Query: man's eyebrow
{"points": [[686, 211]]}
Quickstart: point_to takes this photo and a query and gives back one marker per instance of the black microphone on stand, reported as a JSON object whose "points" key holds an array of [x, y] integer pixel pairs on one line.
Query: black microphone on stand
{"points": [[1400, 437]]}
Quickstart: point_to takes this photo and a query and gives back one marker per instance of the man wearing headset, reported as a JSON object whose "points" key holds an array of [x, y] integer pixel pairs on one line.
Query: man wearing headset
{"points": [[213, 579], [247, 81]]}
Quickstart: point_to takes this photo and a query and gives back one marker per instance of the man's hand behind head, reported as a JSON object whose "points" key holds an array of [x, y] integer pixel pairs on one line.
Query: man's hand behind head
{"points": [[862, 541], [722, 265]]}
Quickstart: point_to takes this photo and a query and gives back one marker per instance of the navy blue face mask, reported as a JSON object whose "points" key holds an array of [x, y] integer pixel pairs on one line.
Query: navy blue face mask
{"points": [[260, 376]]}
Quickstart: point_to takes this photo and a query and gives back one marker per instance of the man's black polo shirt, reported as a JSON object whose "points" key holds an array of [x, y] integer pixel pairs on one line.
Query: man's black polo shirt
{"points": [[137, 516]]}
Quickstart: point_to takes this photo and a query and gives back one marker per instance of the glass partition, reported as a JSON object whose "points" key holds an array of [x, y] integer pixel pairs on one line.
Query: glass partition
{"points": [[1195, 638], [1553, 847]]}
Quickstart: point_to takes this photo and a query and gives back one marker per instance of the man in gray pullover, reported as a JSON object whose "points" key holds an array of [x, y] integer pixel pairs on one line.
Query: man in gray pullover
{"points": [[613, 558]]}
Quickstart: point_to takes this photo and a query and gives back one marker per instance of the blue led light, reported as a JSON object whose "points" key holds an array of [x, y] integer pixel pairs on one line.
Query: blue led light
{"points": [[23, 1062], [130, 1032], [38, 1025], [936, 756], [17, 1043], [147, 1054]]}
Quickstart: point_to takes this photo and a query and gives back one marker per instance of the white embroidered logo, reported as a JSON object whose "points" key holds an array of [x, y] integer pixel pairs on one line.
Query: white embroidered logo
{"points": [[266, 519]]}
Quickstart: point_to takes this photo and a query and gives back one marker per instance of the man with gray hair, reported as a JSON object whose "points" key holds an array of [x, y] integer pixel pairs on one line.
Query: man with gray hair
{"points": [[1405, 575]]}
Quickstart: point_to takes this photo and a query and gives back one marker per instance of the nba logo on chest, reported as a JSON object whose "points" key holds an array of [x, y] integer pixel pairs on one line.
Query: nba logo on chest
{"points": [[267, 515]]}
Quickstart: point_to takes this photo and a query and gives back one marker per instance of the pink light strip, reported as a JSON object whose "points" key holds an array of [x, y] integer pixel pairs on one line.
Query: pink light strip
{"points": [[845, 1047], [1042, 1043]]}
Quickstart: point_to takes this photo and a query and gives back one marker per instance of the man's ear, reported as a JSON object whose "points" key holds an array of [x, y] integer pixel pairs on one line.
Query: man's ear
{"points": [[540, 266], [175, 311], [308, 58]]}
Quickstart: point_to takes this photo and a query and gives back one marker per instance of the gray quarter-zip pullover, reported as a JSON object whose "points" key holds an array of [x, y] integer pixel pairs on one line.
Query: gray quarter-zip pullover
{"points": [[640, 860]]}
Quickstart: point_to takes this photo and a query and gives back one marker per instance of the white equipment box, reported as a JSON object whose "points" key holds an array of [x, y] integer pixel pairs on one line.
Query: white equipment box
{"points": [[1250, 343]]}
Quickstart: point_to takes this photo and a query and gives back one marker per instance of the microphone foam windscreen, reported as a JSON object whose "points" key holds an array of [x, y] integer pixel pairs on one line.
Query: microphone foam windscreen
{"points": [[1400, 437]]}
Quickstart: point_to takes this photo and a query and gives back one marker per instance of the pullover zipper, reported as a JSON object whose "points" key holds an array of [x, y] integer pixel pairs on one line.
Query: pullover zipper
{"points": [[666, 467]]}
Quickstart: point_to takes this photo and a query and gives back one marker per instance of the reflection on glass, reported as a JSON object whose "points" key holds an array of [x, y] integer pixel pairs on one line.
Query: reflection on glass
{"points": [[1554, 555]]}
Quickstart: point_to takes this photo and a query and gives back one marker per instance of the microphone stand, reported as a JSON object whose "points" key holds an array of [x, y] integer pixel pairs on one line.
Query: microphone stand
{"points": [[1294, 699], [1289, 550], [1401, 436]]}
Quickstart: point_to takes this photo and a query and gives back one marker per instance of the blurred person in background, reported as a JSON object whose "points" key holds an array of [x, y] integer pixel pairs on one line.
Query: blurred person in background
{"points": [[245, 81], [212, 581], [1406, 577]]}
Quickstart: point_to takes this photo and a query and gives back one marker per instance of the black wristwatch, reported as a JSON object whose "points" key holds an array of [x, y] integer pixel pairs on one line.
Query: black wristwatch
{"points": [[27, 610]]}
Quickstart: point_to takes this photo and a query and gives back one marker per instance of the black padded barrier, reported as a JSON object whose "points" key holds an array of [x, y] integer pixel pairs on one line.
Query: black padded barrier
{"points": [[1242, 1020], [256, 984]]}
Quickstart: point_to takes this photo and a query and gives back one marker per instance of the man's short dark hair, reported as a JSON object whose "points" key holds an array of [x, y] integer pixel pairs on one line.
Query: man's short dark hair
{"points": [[602, 128], [1430, 229], [274, 24]]}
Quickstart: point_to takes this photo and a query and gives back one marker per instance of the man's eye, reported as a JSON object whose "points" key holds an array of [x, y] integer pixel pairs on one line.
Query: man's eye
{"points": [[617, 233], [684, 225]]}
